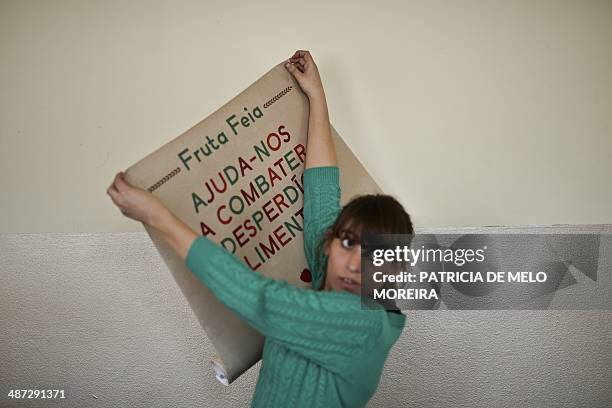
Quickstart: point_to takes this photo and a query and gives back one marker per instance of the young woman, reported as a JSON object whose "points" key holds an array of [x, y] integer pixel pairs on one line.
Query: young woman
{"points": [[322, 348]]}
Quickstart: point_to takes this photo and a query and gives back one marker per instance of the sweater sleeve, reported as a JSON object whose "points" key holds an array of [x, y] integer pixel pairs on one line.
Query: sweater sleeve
{"points": [[329, 328], [321, 207]]}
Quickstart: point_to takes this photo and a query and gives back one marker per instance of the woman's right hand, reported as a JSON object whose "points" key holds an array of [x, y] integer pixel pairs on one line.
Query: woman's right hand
{"points": [[305, 71]]}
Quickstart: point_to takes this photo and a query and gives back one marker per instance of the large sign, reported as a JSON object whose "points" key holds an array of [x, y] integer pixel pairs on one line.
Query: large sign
{"points": [[236, 177]]}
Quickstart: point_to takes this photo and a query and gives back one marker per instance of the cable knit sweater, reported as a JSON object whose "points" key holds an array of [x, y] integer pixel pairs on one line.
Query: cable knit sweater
{"points": [[322, 349]]}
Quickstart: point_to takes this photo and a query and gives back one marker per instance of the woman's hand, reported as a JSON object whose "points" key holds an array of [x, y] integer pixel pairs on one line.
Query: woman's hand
{"points": [[135, 203], [143, 206], [305, 71]]}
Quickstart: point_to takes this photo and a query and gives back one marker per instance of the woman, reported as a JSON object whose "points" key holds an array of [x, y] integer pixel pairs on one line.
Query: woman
{"points": [[322, 348]]}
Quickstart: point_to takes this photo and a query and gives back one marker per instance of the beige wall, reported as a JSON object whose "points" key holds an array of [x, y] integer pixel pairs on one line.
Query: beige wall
{"points": [[473, 112]]}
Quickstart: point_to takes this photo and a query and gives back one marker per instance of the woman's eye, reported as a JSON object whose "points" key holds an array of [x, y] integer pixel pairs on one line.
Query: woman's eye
{"points": [[347, 243]]}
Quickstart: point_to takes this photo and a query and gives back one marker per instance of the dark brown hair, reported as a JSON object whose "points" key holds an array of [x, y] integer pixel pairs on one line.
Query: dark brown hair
{"points": [[371, 213]]}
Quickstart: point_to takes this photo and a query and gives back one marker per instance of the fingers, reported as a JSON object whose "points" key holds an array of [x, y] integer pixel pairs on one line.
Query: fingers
{"points": [[115, 196], [301, 64], [298, 58], [293, 69], [305, 54], [114, 189], [120, 182], [302, 53], [116, 192], [300, 67], [302, 59]]}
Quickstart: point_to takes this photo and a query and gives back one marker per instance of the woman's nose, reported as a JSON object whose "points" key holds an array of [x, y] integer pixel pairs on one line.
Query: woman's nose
{"points": [[354, 263]]}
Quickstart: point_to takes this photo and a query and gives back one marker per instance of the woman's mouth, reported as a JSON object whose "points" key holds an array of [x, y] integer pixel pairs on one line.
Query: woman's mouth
{"points": [[348, 283]]}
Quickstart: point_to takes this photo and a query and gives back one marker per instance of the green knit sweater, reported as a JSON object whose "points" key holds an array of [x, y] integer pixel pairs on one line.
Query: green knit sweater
{"points": [[322, 349]]}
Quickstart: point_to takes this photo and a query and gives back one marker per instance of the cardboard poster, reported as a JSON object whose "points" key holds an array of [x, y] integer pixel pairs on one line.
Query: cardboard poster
{"points": [[236, 177]]}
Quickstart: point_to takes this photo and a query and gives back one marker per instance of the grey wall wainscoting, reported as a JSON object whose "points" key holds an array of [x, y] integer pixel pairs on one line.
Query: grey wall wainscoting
{"points": [[100, 316]]}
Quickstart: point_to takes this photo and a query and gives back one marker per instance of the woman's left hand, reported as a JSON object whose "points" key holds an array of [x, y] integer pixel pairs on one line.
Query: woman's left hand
{"points": [[134, 202]]}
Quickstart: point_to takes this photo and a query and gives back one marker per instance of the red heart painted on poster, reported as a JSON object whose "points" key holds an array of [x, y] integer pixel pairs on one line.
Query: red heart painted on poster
{"points": [[306, 276]]}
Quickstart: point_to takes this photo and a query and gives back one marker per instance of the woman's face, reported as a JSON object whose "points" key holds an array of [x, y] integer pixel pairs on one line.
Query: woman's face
{"points": [[344, 263]]}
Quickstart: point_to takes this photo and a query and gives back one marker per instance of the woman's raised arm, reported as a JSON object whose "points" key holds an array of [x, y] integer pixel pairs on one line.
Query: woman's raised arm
{"points": [[320, 150]]}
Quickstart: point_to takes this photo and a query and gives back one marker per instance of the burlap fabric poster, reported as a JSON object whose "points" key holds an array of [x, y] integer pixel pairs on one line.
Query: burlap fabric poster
{"points": [[236, 177]]}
